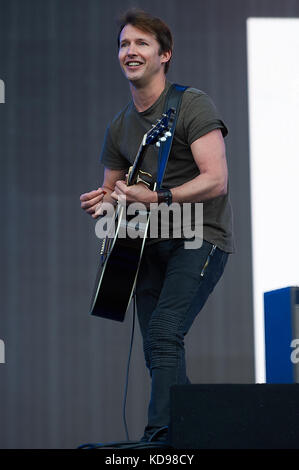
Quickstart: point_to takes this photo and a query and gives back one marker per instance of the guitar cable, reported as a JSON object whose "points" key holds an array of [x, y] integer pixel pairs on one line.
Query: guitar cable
{"points": [[128, 367]]}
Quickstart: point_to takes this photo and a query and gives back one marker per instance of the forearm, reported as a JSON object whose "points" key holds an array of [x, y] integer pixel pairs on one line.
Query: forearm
{"points": [[201, 188], [209, 154]]}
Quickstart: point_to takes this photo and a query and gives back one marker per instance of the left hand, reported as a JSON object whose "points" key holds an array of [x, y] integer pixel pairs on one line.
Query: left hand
{"points": [[136, 193]]}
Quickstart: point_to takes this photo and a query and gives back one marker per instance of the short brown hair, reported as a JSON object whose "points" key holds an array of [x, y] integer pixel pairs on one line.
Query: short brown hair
{"points": [[150, 24]]}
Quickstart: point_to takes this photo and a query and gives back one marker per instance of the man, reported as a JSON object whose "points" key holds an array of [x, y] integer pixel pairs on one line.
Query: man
{"points": [[173, 282]]}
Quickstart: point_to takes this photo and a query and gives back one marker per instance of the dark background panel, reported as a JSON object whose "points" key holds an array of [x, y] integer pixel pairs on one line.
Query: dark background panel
{"points": [[63, 380]]}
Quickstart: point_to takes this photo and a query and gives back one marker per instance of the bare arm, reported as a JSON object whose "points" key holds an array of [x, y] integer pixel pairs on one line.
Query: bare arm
{"points": [[209, 154]]}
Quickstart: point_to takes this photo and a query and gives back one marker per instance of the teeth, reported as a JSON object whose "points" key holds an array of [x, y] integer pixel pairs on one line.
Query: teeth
{"points": [[133, 63]]}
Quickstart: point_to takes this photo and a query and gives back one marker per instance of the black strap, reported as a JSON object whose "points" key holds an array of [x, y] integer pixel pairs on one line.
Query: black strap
{"points": [[173, 100]]}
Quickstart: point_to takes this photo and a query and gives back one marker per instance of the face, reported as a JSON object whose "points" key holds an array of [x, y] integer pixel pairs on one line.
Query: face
{"points": [[139, 55]]}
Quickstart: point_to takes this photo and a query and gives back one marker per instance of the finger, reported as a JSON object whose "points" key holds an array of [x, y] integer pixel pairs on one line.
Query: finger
{"points": [[114, 195], [121, 185], [92, 194], [96, 210], [119, 197], [91, 202], [99, 209], [88, 204], [92, 209], [96, 215]]}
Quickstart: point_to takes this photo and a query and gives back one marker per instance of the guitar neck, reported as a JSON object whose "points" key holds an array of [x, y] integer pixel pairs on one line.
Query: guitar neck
{"points": [[137, 164]]}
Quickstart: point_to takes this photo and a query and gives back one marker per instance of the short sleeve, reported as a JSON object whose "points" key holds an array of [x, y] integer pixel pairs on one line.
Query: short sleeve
{"points": [[110, 156], [201, 117]]}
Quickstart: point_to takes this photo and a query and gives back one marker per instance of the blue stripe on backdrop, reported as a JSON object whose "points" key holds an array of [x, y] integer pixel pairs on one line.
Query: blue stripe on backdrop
{"points": [[278, 335]]}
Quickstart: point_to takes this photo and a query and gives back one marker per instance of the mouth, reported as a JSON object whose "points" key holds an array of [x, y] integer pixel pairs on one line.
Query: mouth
{"points": [[133, 64]]}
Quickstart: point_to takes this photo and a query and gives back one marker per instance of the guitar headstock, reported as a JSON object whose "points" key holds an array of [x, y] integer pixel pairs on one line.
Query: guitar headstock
{"points": [[161, 130]]}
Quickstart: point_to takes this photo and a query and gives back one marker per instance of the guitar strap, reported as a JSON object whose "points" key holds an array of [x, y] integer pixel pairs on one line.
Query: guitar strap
{"points": [[173, 100]]}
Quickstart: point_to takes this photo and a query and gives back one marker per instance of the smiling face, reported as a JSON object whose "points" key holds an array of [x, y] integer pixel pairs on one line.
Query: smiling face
{"points": [[139, 56]]}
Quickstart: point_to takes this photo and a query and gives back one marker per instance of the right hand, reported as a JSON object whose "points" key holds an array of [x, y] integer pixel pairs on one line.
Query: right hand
{"points": [[91, 202]]}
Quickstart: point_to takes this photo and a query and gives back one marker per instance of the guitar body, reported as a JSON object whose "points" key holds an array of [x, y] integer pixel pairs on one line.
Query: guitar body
{"points": [[116, 277]]}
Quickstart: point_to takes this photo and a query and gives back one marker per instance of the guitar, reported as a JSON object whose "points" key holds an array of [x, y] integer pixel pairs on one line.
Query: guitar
{"points": [[121, 257]]}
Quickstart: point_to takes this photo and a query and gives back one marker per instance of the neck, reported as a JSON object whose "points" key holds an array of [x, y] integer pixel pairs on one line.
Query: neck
{"points": [[145, 95]]}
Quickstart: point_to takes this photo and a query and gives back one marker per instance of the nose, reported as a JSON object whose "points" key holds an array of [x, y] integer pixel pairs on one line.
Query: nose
{"points": [[131, 49]]}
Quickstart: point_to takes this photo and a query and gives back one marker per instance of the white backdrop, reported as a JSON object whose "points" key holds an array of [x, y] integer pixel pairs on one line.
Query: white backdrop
{"points": [[273, 75]]}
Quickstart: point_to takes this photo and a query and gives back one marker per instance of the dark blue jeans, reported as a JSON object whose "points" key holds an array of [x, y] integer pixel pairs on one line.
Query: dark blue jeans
{"points": [[172, 287]]}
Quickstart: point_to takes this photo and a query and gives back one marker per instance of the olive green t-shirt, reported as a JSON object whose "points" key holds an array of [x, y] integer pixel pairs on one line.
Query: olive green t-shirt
{"points": [[198, 116]]}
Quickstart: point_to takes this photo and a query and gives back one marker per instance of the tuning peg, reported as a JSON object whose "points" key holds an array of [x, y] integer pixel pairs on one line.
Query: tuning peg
{"points": [[168, 134], [158, 144], [162, 139]]}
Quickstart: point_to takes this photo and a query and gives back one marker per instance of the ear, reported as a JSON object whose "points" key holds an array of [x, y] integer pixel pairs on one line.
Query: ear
{"points": [[165, 57]]}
